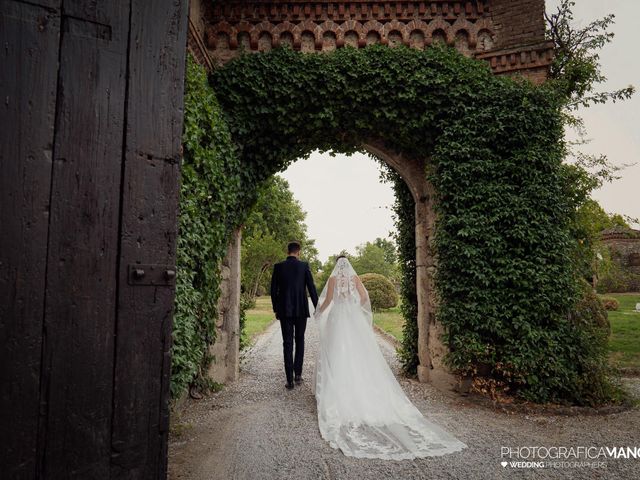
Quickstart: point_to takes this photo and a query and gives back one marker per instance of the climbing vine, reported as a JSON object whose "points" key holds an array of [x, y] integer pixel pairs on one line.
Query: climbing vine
{"points": [[209, 198], [504, 282], [404, 215]]}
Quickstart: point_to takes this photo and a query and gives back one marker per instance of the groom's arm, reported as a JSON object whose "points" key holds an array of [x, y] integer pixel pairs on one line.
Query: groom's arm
{"points": [[274, 289], [311, 287]]}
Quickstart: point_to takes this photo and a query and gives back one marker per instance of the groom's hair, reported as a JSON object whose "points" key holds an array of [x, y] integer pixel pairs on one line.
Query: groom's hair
{"points": [[293, 247]]}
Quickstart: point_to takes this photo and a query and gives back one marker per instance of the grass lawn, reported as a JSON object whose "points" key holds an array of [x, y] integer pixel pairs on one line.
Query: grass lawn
{"points": [[390, 321], [259, 318], [624, 343]]}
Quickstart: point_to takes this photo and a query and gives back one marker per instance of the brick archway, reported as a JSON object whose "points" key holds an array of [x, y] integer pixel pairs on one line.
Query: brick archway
{"points": [[510, 38], [431, 350]]}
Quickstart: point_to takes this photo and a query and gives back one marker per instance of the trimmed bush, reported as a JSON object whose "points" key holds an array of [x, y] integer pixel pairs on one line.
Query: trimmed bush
{"points": [[590, 311], [593, 383], [610, 303], [382, 293]]}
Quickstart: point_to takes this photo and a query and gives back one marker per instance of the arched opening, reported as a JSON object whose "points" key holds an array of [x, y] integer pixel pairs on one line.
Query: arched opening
{"points": [[417, 39], [286, 38], [428, 345], [395, 38], [329, 41], [244, 41], [351, 38], [373, 37], [265, 41], [307, 41]]}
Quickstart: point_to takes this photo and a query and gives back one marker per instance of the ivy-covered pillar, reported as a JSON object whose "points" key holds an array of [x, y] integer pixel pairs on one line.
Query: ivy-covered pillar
{"points": [[431, 349], [424, 287], [225, 352]]}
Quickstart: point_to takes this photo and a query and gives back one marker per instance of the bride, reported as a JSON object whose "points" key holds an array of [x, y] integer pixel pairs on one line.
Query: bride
{"points": [[362, 410]]}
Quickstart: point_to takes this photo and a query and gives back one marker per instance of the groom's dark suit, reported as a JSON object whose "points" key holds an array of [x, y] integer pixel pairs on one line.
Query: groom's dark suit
{"points": [[289, 284]]}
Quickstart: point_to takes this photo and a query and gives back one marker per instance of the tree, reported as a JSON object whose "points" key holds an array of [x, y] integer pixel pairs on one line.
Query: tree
{"points": [[276, 219], [590, 220], [370, 258], [576, 73], [259, 253], [389, 248], [378, 257], [382, 293]]}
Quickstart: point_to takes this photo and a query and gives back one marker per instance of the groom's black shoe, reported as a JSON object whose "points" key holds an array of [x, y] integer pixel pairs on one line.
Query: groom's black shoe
{"points": [[298, 379], [289, 385]]}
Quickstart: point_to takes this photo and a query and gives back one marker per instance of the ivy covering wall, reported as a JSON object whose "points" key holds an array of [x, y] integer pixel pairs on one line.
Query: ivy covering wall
{"points": [[506, 286], [404, 217], [209, 196]]}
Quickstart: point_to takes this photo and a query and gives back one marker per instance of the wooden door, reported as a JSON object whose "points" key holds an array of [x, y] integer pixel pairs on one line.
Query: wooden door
{"points": [[89, 179]]}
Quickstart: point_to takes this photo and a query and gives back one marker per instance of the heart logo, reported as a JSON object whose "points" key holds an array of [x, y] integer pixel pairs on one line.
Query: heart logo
{"points": [[504, 464]]}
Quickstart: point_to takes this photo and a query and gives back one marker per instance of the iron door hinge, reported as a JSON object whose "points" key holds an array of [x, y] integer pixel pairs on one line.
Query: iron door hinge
{"points": [[156, 274]]}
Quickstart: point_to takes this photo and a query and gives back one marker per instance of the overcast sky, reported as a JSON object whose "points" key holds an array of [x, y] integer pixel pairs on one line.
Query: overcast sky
{"points": [[346, 204]]}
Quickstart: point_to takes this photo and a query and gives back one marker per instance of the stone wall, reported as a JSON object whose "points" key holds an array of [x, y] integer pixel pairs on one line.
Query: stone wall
{"points": [[226, 349], [196, 34], [624, 247]]}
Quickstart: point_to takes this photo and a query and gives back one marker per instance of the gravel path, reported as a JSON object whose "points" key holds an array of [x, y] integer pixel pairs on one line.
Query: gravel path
{"points": [[255, 429]]}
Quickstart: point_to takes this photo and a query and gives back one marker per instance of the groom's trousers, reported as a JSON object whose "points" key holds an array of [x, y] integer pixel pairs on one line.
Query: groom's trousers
{"points": [[293, 328]]}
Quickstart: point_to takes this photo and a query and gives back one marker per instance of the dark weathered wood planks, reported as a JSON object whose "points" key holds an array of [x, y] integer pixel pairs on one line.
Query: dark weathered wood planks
{"points": [[89, 180], [149, 229], [29, 55], [81, 284]]}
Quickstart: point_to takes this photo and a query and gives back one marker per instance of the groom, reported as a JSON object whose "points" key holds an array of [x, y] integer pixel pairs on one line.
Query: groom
{"points": [[289, 283]]}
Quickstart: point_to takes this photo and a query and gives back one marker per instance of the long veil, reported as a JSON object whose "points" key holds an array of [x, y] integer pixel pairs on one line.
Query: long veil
{"points": [[343, 285], [362, 410]]}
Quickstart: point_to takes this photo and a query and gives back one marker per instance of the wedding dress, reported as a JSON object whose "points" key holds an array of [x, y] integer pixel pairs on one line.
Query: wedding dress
{"points": [[362, 410]]}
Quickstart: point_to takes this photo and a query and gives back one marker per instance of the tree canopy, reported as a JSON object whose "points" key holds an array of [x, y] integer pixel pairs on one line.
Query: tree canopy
{"points": [[276, 219]]}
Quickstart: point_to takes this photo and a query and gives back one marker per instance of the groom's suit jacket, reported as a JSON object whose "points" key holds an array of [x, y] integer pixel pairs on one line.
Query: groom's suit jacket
{"points": [[289, 283]]}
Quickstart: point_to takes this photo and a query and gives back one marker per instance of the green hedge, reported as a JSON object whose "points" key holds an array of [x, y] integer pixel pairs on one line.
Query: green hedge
{"points": [[404, 217], [209, 192], [382, 293]]}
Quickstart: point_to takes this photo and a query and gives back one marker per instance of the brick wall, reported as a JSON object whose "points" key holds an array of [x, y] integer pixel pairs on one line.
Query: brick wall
{"points": [[509, 34], [517, 22]]}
